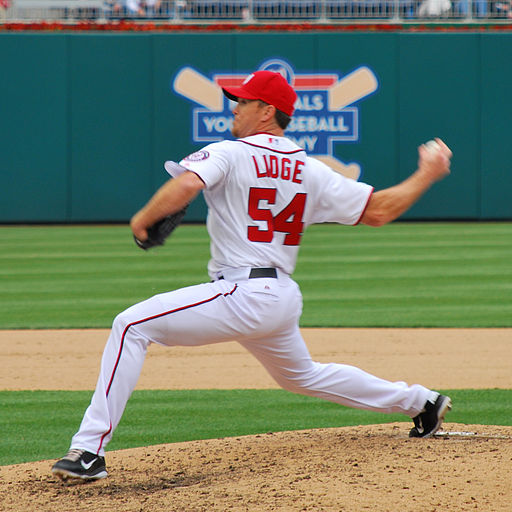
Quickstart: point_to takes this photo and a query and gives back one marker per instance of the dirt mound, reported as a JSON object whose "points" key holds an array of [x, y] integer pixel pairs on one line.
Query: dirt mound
{"points": [[374, 468]]}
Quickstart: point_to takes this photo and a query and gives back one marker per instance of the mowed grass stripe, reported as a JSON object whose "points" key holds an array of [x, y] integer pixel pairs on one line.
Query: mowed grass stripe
{"points": [[402, 275], [362, 314], [410, 274], [82, 276]]}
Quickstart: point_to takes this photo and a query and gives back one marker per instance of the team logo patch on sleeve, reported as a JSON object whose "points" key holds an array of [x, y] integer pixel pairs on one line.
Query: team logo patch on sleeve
{"points": [[197, 156]]}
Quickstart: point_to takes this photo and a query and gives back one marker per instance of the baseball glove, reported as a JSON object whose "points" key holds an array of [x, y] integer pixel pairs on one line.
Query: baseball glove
{"points": [[160, 231]]}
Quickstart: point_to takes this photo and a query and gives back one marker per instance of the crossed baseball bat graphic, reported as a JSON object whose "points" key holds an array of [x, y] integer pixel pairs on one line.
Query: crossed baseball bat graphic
{"points": [[349, 89]]}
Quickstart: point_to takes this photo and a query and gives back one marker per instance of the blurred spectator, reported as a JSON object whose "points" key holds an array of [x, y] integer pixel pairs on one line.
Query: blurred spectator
{"points": [[408, 8], [182, 9], [134, 7], [127, 8], [504, 9], [465, 8], [159, 8], [4, 5], [141, 9], [152, 8], [434, 8]]}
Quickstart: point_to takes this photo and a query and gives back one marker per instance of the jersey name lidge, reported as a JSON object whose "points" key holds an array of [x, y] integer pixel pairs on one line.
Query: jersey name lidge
{"points": [[272, 166]]}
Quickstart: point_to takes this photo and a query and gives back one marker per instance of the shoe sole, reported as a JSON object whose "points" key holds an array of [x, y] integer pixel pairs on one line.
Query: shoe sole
{"points": [[65, 475], [441, 413]]}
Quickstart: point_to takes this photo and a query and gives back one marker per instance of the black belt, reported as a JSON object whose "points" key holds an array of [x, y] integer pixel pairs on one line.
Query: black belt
{"points": [[260, 272]]}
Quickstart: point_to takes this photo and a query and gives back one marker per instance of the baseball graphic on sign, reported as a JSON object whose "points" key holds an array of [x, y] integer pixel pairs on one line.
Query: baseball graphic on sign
{"points": [[325, 112]]}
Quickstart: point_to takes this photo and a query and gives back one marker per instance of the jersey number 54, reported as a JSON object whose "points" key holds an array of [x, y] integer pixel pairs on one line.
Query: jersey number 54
{"points": [[288, 220]]}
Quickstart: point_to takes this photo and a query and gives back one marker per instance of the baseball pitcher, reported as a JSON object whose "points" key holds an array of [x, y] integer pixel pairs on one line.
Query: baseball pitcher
{"points": [[262, 191]]}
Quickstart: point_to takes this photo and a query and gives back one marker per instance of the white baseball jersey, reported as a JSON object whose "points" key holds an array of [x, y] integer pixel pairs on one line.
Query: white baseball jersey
{"points": [[262, 191]]}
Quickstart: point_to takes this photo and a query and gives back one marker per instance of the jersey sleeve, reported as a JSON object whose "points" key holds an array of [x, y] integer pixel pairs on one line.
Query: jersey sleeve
{"points": [[211, 164], [336, 198]]}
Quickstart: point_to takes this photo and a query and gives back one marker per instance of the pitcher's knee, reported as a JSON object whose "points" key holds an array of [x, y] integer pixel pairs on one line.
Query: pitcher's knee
{"points": [[125, 323], [121, 322]]}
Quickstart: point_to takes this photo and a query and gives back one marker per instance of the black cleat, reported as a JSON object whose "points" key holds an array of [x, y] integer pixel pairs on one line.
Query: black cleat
{"points": [[428, 422], [80, 464]]}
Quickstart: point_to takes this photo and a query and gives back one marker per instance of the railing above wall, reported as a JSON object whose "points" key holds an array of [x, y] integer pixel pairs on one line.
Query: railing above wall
{"points": [[259, 11]]}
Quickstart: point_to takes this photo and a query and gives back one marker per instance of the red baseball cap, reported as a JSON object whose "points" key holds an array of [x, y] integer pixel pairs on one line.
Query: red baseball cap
{"points": [[267, 86]]}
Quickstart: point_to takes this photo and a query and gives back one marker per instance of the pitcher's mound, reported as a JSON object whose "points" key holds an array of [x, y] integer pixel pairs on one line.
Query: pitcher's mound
{"points": [[375, 468]]}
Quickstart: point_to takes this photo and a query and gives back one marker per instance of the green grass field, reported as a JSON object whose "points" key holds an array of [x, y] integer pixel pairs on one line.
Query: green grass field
{"points": [[401, 275]]}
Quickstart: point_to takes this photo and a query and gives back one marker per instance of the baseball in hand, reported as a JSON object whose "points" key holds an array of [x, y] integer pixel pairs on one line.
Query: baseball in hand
{"points": [[432, 146]]}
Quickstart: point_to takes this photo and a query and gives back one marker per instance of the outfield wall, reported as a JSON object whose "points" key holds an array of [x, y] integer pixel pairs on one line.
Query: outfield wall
{"points": [[87, 119]]}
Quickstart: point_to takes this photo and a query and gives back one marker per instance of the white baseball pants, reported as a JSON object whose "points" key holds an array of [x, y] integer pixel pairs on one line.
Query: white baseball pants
{"points": [[262, 315]]}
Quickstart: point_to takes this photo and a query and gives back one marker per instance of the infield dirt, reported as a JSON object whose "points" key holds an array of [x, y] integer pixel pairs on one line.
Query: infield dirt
{"points": [[375, 468]]}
